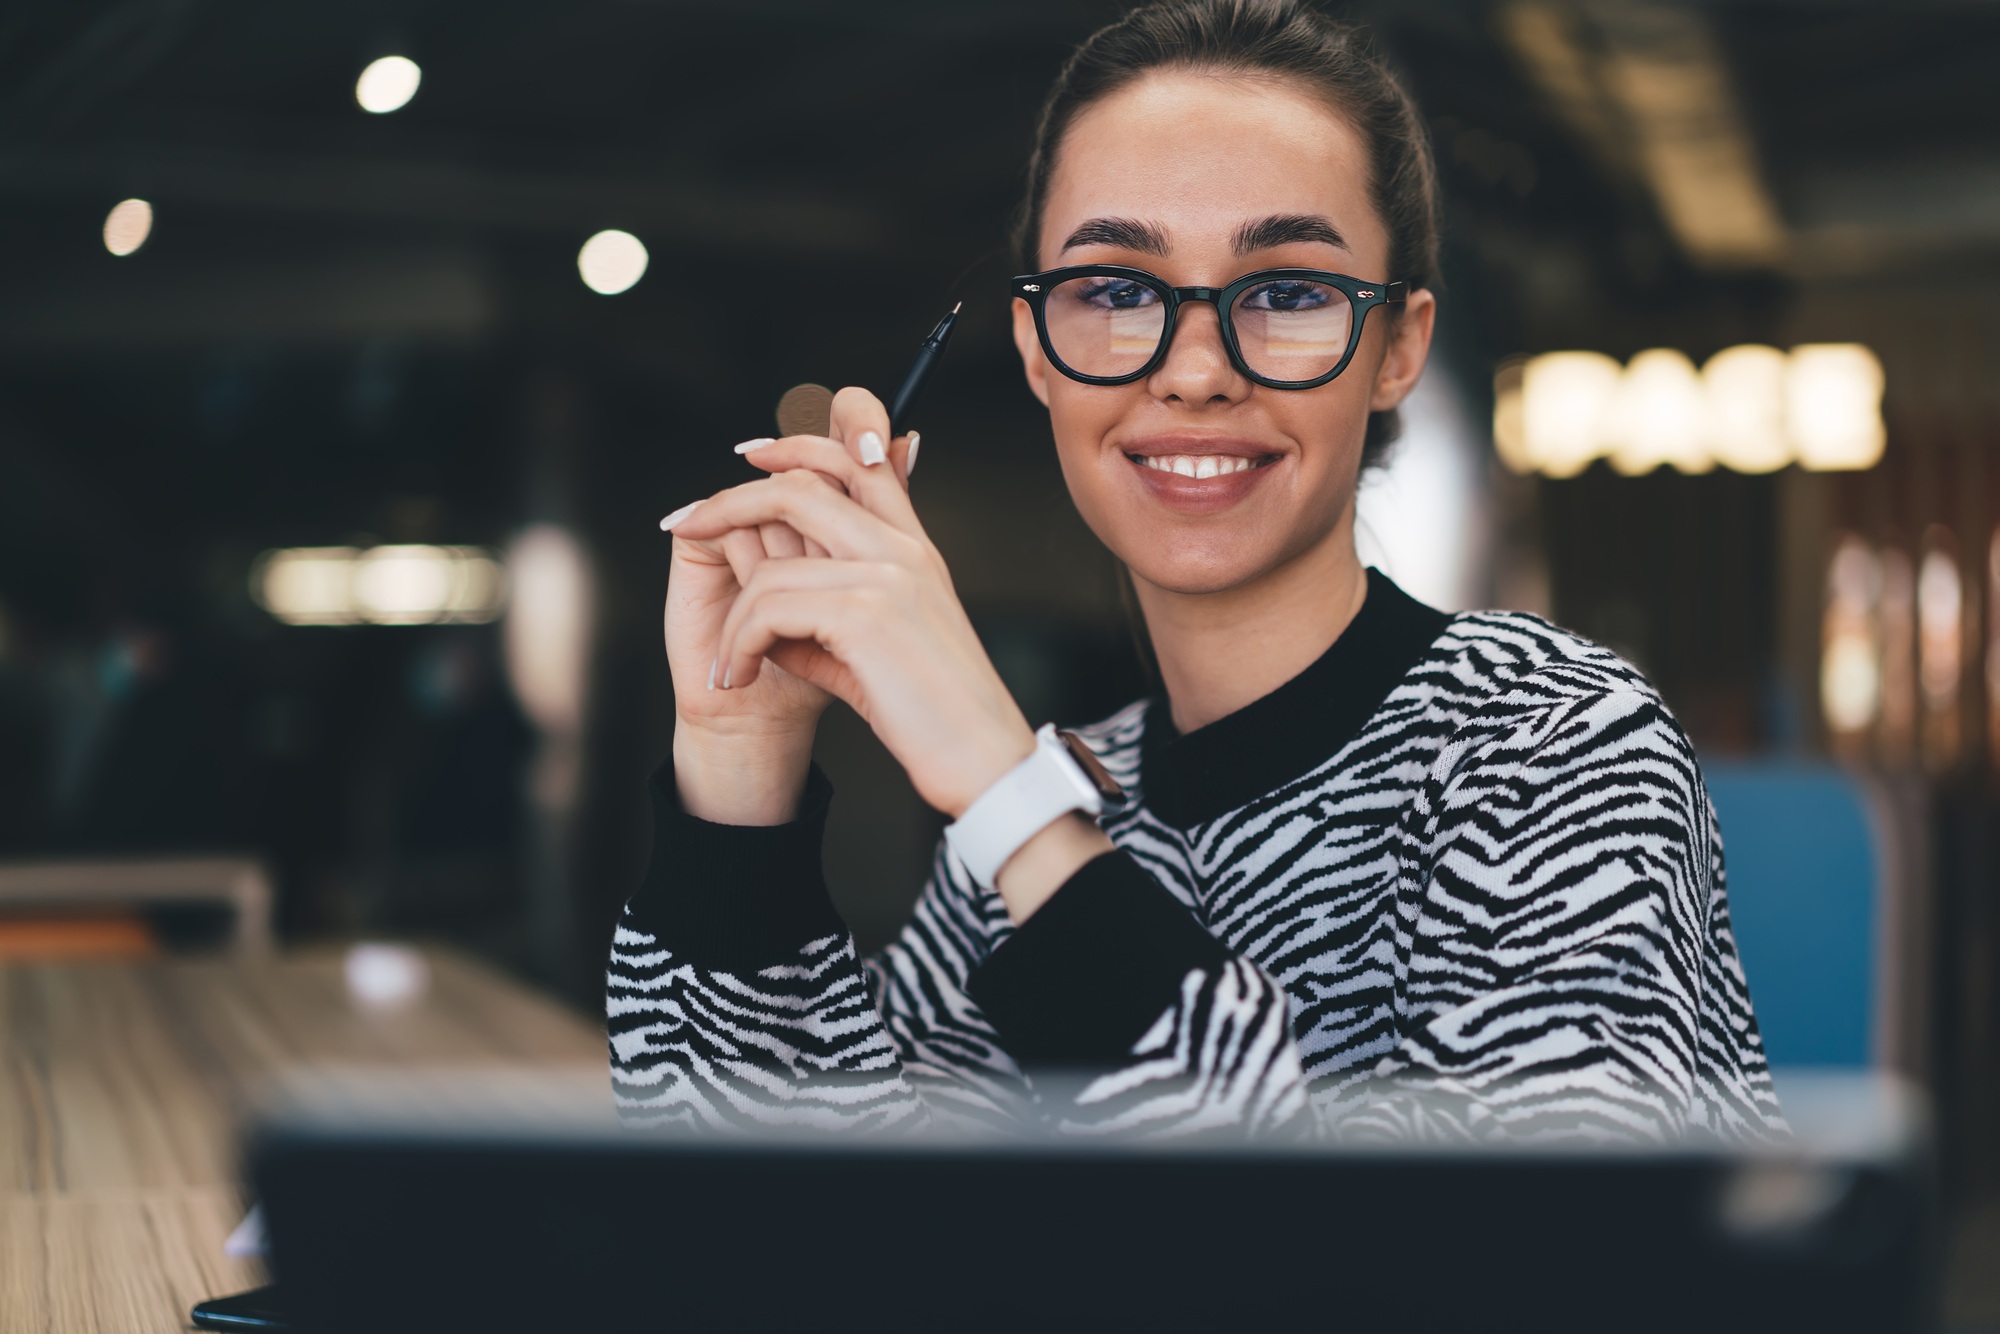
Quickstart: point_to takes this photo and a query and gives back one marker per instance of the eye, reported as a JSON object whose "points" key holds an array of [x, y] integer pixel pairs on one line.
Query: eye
{"points": [[1286, 294], [1117, 293]]}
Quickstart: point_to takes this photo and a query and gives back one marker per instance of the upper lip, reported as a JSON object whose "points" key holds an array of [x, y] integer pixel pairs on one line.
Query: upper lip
{"points": [[1196, 446]]}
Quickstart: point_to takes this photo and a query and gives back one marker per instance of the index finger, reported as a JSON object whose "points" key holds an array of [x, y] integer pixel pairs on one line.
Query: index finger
{"points": [[860, 422], [877, 489]]}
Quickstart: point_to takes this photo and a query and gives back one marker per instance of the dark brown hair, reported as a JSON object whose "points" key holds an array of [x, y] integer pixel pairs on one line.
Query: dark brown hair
{"points": [[1279, 39]]}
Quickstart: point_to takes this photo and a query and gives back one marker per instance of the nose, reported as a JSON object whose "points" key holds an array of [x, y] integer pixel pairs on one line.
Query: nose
{"points": [[1197, 368]]}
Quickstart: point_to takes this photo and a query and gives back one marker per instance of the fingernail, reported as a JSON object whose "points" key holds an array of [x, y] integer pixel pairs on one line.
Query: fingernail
{"points": [[749, 445], [711, 674], [872, 452], [667, 524], [728, 672], [910, 459]]}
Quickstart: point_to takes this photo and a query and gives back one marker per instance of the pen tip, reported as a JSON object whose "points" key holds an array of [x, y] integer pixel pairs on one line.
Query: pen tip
{"points": [[955, 309]]}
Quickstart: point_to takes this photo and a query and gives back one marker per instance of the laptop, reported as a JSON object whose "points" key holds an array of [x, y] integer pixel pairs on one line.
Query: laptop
{"points": [[505, 1203]]}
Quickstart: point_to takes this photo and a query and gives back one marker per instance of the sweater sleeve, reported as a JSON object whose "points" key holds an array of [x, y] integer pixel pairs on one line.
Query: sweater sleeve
{"points": [[1567, 967], [735, 998], [1137, 1021]]}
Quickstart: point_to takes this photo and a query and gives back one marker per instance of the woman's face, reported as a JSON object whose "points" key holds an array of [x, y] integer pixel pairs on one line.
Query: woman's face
{"points": [[1197, 162]]}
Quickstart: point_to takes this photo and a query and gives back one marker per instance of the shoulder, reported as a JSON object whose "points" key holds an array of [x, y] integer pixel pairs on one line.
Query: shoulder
{"points": [[1522, 690], [1508, 651], [1515, 664], [1547, 699]]}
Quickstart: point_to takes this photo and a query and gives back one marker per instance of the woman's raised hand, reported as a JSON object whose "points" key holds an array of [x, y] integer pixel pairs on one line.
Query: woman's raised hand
{"points": [[818, 582]]}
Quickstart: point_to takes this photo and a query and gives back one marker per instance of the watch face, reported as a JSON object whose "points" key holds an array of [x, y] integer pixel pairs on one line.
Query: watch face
{"points": [[1086, 758]]}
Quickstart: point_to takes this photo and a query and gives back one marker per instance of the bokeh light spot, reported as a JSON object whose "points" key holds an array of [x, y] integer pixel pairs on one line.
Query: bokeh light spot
{"points": [[127, 226], [611, 262], [387, 84]]}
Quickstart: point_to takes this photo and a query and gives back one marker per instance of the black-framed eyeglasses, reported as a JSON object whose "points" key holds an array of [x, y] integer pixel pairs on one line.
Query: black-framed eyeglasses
{"points": [[1283, 328]]}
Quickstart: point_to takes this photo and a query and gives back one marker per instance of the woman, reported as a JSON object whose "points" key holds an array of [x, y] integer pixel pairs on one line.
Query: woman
{"points": [[1368, 869]]}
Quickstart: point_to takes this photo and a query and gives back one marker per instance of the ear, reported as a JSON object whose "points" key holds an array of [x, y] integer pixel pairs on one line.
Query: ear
{"points": [[1033, 362], [1409, 347]]}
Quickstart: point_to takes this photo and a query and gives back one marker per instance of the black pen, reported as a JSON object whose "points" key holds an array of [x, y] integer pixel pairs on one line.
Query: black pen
{"points": [[928, 356]]}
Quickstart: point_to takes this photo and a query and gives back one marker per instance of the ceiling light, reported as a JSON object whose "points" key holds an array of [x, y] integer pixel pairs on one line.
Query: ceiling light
{"points": [[403, 585], [127, 226], [387, 84], [1745, 389], [1752, 409], [1658, 416], [306, 585], [1833, 406], [386, 585], [611, 262], [1564, 399]]}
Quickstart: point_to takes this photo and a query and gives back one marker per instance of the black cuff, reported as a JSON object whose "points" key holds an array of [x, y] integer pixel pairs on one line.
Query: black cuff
{"points": [[1084, 978], [735, 897]]}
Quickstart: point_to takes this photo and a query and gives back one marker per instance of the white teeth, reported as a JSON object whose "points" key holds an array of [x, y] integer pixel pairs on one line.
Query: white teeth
{"points": [[1197, 465]]}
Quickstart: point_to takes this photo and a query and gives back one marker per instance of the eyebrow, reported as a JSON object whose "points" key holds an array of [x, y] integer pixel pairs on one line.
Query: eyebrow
{"points": [[1285, 229], [1261, 234], [1124, 233]]}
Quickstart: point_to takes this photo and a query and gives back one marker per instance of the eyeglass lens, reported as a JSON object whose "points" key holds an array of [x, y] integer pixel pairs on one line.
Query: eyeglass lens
{"points": [[1286, 328]]}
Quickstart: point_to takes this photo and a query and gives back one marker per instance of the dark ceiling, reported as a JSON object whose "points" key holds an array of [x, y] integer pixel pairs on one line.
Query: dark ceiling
{"points": [[336, 308]]}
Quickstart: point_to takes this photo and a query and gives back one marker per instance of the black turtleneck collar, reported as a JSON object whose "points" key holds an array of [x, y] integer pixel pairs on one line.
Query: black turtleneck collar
{"points": [[1213, 770]]}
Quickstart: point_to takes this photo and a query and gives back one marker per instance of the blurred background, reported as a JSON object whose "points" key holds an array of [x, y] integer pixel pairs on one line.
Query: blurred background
{"points": [[350, 353]]}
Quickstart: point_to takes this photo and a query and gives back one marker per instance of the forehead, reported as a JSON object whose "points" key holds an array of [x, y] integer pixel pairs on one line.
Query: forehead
{"points": [[1199, 153]]}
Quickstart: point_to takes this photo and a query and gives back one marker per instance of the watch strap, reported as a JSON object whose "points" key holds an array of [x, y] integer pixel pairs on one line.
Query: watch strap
{"points": [[1027, 799]]}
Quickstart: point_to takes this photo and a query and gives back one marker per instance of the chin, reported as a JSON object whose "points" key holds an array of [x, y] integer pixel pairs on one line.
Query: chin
{"points": [[1207, 534], [1208, 566]]}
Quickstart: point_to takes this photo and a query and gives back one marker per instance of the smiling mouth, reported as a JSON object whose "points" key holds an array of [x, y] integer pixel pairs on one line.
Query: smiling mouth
{"points": [[1200, 465]]}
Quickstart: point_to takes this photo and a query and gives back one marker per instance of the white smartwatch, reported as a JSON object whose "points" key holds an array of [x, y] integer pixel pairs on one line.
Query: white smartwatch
{"points": [[1027, 799]]}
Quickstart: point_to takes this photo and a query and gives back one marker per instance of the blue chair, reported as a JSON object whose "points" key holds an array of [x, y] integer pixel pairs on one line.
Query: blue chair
{"points": [[1803, 865]]}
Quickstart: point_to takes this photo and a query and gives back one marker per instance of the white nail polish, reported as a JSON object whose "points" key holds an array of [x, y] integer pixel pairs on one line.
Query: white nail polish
{"points": [[910, 459], [870, 445], [749, 445], [711, 673], [667, 524]]}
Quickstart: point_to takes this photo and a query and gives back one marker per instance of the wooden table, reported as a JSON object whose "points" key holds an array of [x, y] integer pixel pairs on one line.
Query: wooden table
{"points": [[122, 1087]]}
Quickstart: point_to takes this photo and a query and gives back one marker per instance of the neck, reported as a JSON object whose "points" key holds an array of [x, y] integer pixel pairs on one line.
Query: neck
{"points": [[1292, 615]]}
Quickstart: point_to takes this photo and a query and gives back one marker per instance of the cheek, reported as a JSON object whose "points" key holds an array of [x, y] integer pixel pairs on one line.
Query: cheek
{"points": [[1329, 424], [1081, 416]]}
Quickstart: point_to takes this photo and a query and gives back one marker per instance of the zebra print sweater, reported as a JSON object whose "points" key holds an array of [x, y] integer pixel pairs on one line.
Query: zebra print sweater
{"points": [[1458, 880]]}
